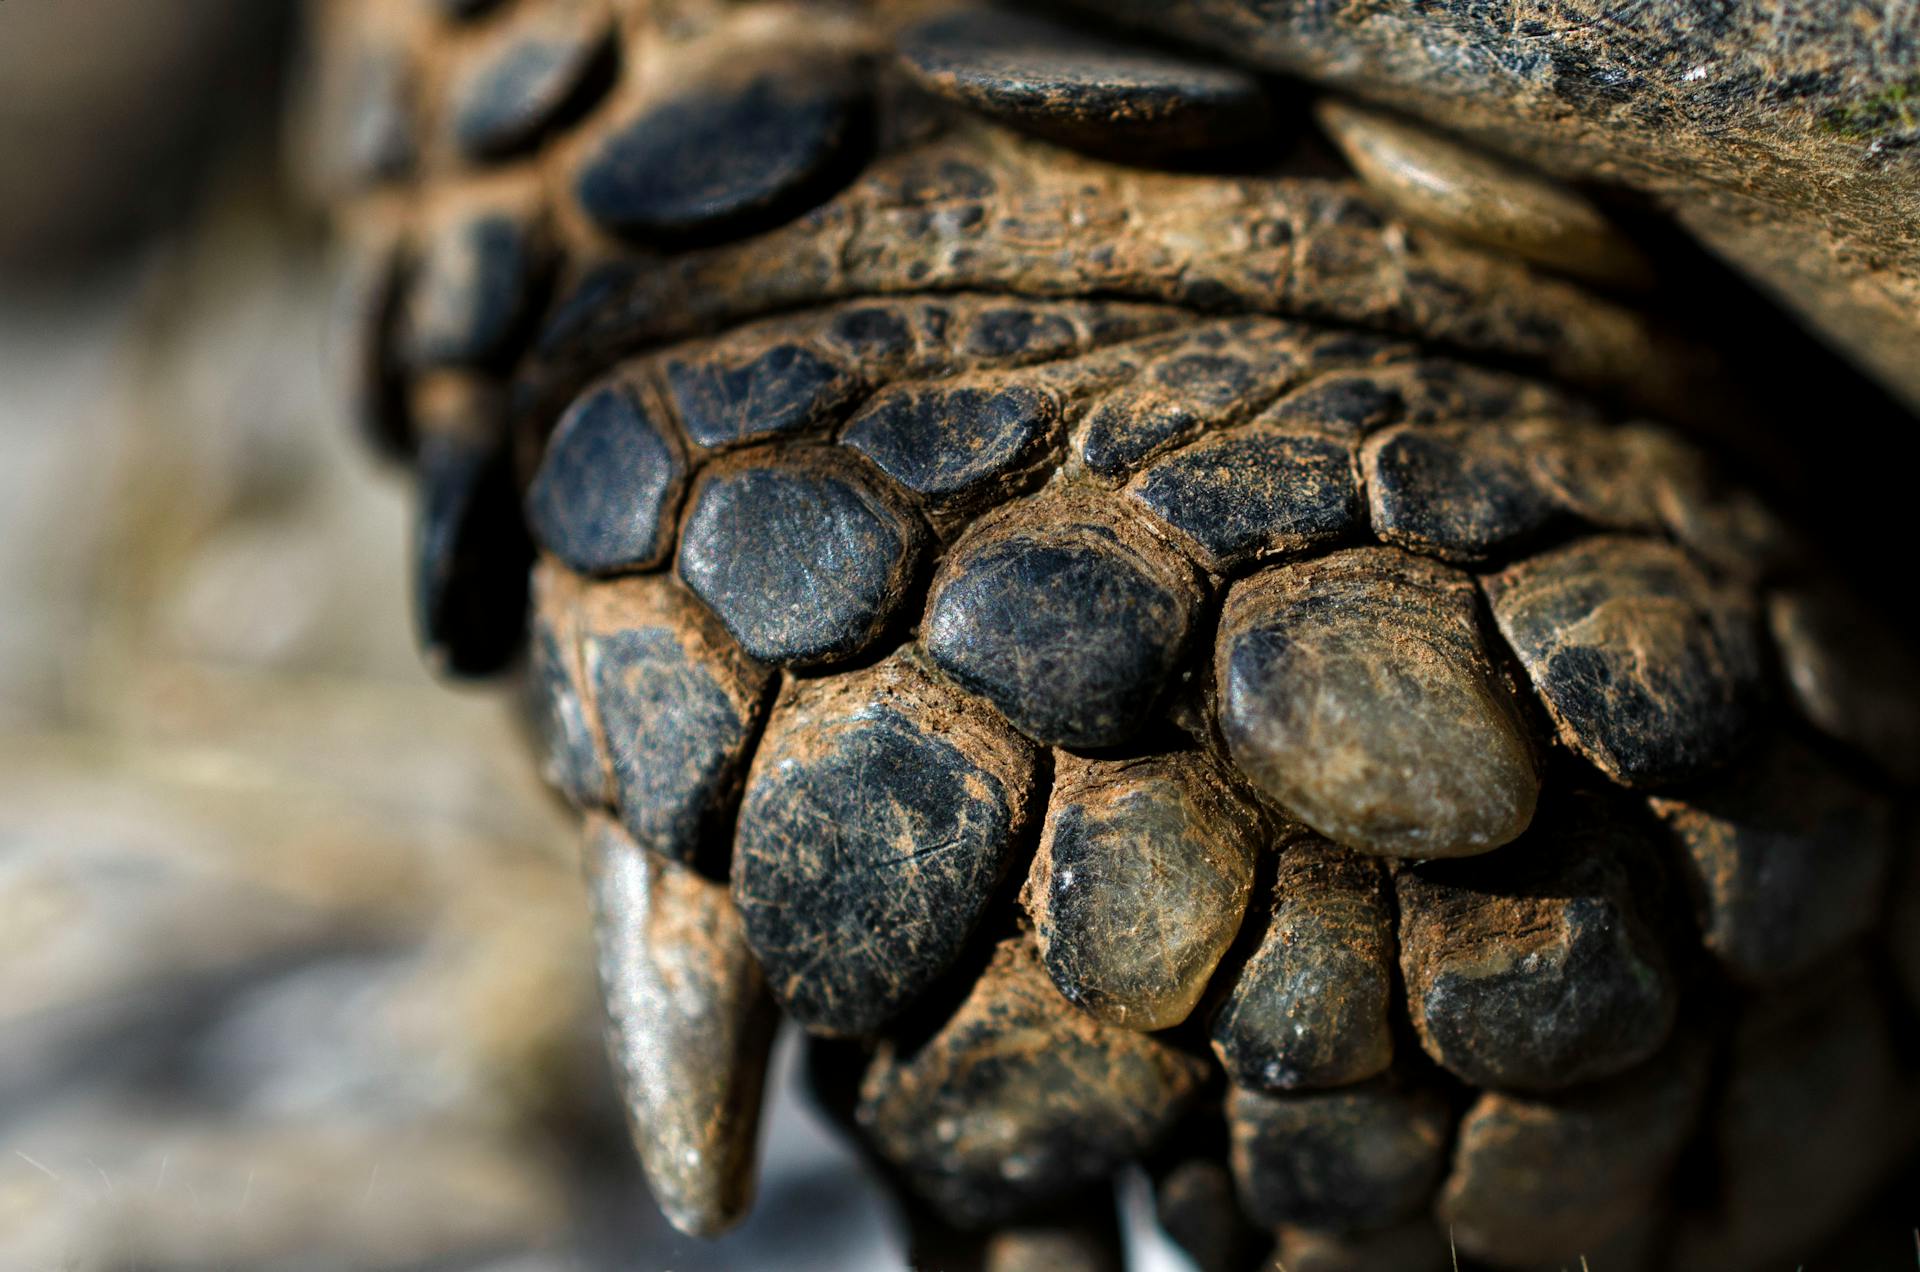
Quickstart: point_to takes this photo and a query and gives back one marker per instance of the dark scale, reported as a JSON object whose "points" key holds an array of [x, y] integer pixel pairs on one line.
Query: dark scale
{"points": [[722, 162], [1066, 617], [1256, 492], [882, 811], [1135, 101], [471, 555], [678, 705], [953, 444], [1220, 374], [1650, 669], [1017, 1075], [610, 483], [471, 291], [528, 83], [873, 333], [1786, 859], [1543, 1181], [573, 754], [723, 399], [1542, 966], [1359, 1157], [1312, 1005], [1348, 404], [1139, 885], [1806, 1119], [1195, 1205], [802, 557], [1020, 333], [1462, 492], [1850, 675], [1356, 690]]}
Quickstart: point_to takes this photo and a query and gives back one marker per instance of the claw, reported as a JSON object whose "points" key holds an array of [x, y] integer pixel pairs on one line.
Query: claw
{"points": [[689, 1027]]}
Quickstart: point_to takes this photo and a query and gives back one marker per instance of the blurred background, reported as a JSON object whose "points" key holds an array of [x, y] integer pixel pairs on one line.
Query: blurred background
{"points": [[293, 963]]}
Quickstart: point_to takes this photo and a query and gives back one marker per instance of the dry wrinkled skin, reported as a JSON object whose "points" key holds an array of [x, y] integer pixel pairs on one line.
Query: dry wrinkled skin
{"points": [[1355, 690], [1780, 135], [1142, 876], [689, 1024], [1020, 1096]]}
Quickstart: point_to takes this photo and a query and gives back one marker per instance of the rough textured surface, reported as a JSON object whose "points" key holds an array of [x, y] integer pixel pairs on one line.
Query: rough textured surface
{"points": [[1462, 492], [1311, 1007], [976, 211], [689, 1026], [1141, 397], [1139, 103], [610, 483], [1019, 1077], [1063, 615], [1258, 492], [759, 394], [802, 555], [1356, 691], [1543, 1181], [955, 445], [1214, 375], [1143, 872], [882, 810], [1650, 669], [678, 705], [1358, 1158], [1783, 139], [1786, 860], [1538, 967]]}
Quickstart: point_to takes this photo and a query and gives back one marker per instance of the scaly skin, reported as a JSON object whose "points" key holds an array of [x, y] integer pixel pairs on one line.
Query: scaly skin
{"points": [[1170, 658]]}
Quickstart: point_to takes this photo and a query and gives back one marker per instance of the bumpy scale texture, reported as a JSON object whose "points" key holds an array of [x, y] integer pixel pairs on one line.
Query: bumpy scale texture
{"points": [[1033, 581]]}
